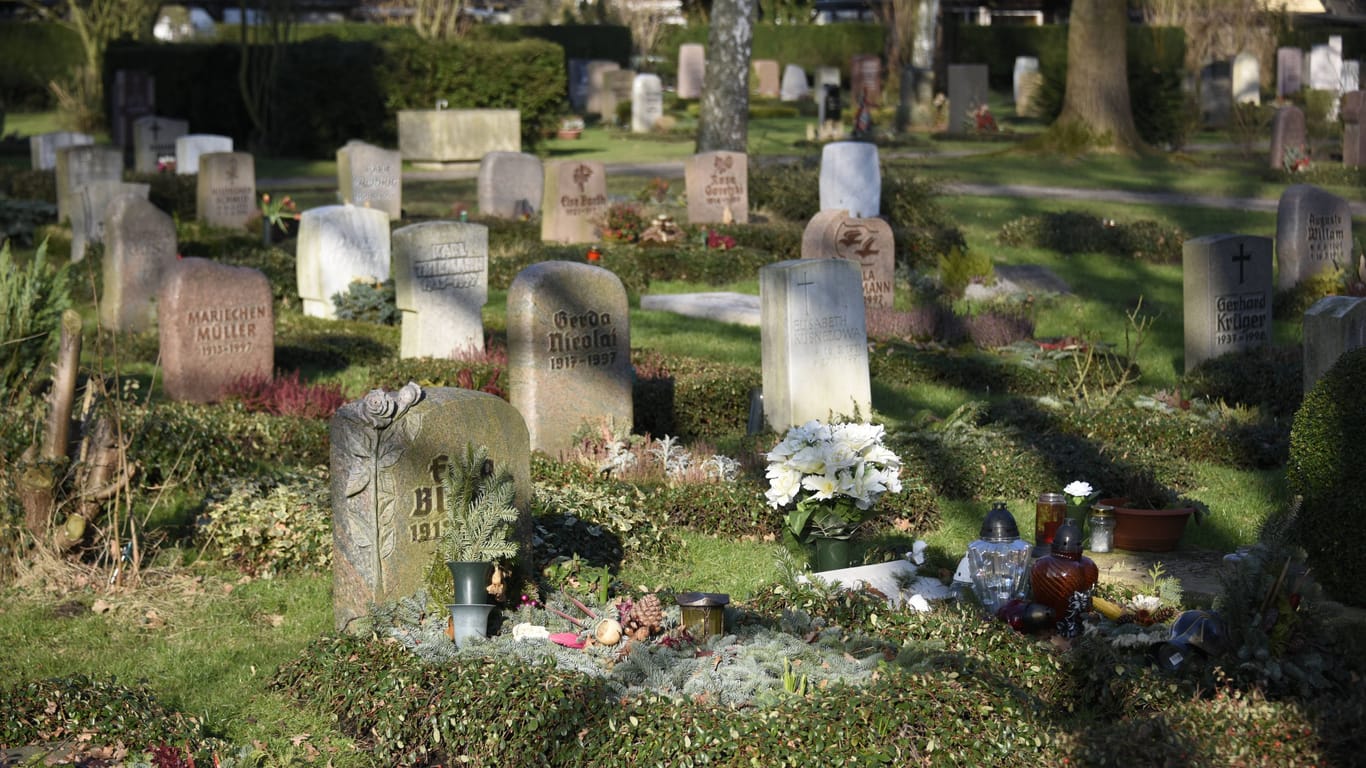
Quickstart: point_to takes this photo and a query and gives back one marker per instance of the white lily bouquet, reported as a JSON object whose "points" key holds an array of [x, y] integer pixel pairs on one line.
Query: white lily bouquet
{"points": [[834, 473]]}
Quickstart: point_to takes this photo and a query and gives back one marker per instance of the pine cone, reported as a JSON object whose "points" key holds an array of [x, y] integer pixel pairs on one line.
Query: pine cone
{"points": [[648, 613]]}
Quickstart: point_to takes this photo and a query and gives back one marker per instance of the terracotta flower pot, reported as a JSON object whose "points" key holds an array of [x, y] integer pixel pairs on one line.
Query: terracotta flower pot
{"points": [[1148, 530]]}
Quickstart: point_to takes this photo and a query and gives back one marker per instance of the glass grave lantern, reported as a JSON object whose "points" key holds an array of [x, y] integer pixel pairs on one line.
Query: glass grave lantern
{"points": [[998, 561]]}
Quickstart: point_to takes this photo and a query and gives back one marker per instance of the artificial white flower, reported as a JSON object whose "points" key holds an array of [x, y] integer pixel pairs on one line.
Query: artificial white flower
{"points": [[1078, 489], [822, 487], [1148, 603]]}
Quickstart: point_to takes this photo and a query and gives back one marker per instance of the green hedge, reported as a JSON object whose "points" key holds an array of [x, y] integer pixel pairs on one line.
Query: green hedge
{"points": [[331, 91], [811, 46], [35, 53], [579, 41]]}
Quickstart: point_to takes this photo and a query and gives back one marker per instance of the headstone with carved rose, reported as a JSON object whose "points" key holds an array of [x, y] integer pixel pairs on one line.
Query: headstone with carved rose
{"points": [[389, 454], [866, 242], [1226, 293], [717, 182], [575, 201]]}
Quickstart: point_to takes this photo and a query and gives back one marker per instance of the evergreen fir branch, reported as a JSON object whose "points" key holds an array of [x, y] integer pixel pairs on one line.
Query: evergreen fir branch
{"points": [[479, 509]]}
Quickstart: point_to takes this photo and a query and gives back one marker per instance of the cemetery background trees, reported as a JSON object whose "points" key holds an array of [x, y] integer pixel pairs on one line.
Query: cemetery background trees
{"points": [[430, 19], [1096, 109], [724, 119], [96, 24]]}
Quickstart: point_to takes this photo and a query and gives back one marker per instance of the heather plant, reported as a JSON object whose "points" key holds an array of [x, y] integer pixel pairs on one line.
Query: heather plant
{"points": [[287, 395]]}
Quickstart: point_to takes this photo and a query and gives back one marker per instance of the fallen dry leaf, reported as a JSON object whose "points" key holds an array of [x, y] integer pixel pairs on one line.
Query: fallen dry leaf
{"points": [[100, 606], [298, 739], [902, 524]]}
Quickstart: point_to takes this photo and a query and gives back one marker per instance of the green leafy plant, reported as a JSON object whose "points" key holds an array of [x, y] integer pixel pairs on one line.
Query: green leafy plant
{"points": [[479, 509], [32, 298], [371, 302], [960, 266], [267, 527]]}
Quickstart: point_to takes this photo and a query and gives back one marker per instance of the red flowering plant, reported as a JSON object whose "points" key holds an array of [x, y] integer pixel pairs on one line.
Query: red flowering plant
{"points": [[623, 223], [717, 240]]}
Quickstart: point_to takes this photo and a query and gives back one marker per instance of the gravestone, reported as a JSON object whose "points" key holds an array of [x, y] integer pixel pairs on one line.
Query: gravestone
{"points": [[226, 190], [133, 96], [87, 215], [865, 80], [1289, 71], [794, 86], [339, 244], [1027, 104], [814, 341], [441, 284], [766, 78], [576, 72], [1287, 132], [967, 92], [140, 248], [717, 182], [371, 177], [1334, 326], [1351, 75], [1353, 138], [647, 103], [1313, 233], [1024, 66], [692, 69], [1247, 79], [217, 324], [1216, 94], [575, 201], [190, 147], [436, 137], [866, 242], [82, 164], [511, 185], [569, 352], [389, 452], [42, 149], [851, 179], [601, 101], [154, 141], [620, 83], [1226, 294]]}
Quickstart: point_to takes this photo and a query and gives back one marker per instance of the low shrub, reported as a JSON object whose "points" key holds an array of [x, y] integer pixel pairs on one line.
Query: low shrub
{"points": [[32, 299], [368, 302], [286, 395], [960, 266], [175, 193], [1071, 232], [1269, 378], [484, 375], [691, 398], [316, 343], [923, 229], [618, 509], [266, 527], [788, 190], [1326, 471], [20, 220]]}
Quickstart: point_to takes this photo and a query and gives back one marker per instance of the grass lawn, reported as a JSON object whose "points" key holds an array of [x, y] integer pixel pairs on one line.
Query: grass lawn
{"points": [[208, 641]]}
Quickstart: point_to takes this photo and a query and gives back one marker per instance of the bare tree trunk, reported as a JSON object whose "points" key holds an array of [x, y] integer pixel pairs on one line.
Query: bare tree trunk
{"points": [[1097, 94], [38, 483], [724, 119]]}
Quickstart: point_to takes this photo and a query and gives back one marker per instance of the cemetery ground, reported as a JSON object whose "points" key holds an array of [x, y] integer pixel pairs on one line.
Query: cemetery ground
{"points": [[225, 645]]}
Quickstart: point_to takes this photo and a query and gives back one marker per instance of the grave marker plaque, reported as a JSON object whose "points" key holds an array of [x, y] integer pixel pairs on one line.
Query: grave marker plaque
{"points": [[1289, 71], [226, 190], [851, 179], [87, 215], [865, 80], [766, 83], [43, 148], [389, 452], [814, 341], [794, 86], [692, 68], [866, 242], [190, 147], [81, 164], [1313, 233], [569, 352], [371, 177], [1226, 292], [511, 185], [575, 201], [1334, 326], [647, 103], [717, 182], [217, 324], [967, 92], [441, 284], [1287, 133], [154, 141], [140, 250], [339, 244]]}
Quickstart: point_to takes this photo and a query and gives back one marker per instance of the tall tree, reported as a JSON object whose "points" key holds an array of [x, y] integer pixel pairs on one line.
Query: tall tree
{"points": [[724, 119], [1096, 99]]}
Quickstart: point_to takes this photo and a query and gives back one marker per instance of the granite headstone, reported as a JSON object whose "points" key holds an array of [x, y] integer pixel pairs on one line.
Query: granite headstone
{"points": [[154, 141], [371, 177], [441, 284], [511, 185], [1226, 295], [718, 182], [1313, 233], [692, 69], [869, 243], [338, 245], [766, 78], [967, 92], [217, 324], [1289, 71], [1247, 79], [1287, 133], [647, 103], [80, 164], [43, 148], [226, 190], [190, 147], [794, 86], [87, 215], [575, 201]]}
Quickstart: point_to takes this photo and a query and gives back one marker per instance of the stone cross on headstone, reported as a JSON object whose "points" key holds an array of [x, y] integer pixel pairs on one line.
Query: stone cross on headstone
{"points": [[575, 201], [814, 341], [441, 284], [389, 450], [569, 352], [154, 141], [216, 324], [1313, 234], [1226, 287], [867, 242]]}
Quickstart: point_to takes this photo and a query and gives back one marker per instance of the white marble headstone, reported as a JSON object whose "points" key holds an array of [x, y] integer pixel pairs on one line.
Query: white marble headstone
{"points": [[339, 244]]}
